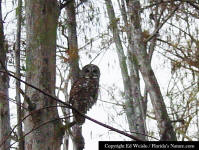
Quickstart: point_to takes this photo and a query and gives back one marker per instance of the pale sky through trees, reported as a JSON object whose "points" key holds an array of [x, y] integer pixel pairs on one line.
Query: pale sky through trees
{"points": [[109, 107]]}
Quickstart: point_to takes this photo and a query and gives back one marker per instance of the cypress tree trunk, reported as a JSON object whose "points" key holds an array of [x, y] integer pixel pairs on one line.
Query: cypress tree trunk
{"points": [[4, 103], [41, 20]]}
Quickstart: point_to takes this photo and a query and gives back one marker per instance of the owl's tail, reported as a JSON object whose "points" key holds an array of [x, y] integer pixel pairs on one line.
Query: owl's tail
{"points": [[78, 139]]}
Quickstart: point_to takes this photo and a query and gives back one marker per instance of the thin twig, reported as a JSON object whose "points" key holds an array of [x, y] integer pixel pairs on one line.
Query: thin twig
{"points": [[160, 26]]}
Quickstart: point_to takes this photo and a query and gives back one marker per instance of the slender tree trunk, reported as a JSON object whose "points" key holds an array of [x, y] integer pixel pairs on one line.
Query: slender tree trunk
{"points": [[41, 27], [17, 60], [133, 97], [77, 137], [66, 112], [72, 41], [164, 124], [134, 72], [4, 102]]}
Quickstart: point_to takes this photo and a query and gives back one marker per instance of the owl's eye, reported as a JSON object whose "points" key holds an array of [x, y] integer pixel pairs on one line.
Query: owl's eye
{"points": [[87, 71], [95, 71]]}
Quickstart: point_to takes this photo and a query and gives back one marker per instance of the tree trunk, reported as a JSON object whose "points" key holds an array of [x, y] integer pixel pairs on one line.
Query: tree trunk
{"points": [[4, 102], [133, 97], [77, 137], [17, 60], [41, 27], [66, 112], [72, 41], [164, 124]]}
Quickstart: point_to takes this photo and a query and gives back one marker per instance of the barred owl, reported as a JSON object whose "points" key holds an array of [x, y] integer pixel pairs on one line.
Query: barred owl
{"points": [[84, 91]]}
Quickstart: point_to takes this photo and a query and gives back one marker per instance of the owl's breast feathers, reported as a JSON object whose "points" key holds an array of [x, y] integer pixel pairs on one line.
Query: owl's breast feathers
{"points": [[85, 89], [83, 96]]}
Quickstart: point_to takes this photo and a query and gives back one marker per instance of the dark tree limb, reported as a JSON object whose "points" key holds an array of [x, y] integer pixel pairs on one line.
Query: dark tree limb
{"points": [[31, 106]]}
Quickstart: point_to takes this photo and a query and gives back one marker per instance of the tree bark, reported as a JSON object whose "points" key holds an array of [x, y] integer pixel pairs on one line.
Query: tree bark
{"points": [[133, 96], [72, 41], [17, 60], [77, 137], [4, 97], [41, 27], [164, 124]]}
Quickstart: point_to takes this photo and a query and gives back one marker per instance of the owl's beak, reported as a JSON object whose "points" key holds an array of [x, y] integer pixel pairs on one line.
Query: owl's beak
{"points": [[95, 76]]}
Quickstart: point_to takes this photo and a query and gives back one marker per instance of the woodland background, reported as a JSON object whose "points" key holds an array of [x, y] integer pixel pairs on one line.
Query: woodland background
{"points": [[148, 54]]}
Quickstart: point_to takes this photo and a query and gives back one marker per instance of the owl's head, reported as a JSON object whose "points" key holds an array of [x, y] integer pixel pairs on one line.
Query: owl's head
{"points": [[90, 71]]}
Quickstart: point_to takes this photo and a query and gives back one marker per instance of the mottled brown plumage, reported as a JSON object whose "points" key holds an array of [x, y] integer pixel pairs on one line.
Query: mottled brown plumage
{"points": [[84, 91]]}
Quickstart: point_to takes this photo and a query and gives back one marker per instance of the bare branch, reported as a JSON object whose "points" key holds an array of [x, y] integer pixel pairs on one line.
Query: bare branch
{"points": [[160, 26], [31, 106]]}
